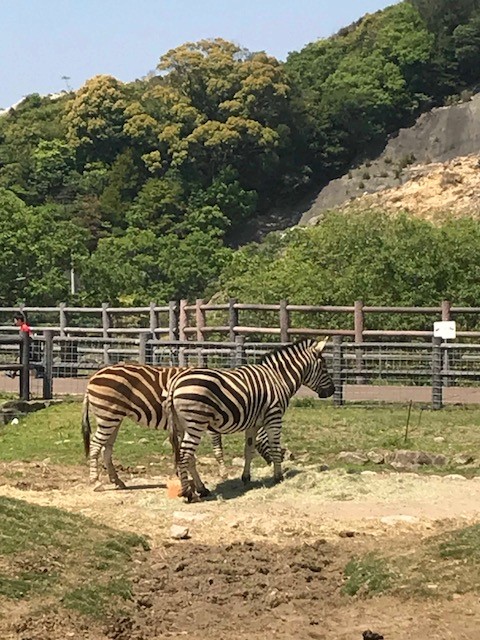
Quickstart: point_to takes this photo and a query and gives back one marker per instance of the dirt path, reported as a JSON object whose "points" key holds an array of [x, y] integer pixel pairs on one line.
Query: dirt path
{"points": [[269, 561]]}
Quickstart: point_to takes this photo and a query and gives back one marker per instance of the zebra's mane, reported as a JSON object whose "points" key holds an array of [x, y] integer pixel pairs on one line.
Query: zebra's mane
{"points": [[271, 356]]}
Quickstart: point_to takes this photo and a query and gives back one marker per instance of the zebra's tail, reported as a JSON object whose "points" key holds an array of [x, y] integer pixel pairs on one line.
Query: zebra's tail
{"points": [[171, 427], [86, 424]]}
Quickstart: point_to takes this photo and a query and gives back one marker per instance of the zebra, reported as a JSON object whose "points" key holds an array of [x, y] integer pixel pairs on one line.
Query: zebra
{"points": [[241, 399], [138, 392]]}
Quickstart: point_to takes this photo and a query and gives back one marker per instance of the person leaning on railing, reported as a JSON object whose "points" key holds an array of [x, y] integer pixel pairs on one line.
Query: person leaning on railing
{"points": [[23, 327]]}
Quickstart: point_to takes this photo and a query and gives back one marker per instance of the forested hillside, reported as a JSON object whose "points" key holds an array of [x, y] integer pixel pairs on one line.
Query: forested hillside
{"points": [[143, 187]]}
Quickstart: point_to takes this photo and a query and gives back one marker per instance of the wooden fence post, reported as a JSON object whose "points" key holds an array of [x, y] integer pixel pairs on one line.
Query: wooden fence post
{"points": [[446, 316], [153, 319], [200, 319], [182, 320], [239, 351], [173, 330], [232, 319], [48, 365], [142, 348], [105, 328], [200, 323], [25, 362], [62, 319], [284, 321], [437, 392], [182, 325], [337, 366], [173, 334], [359, 320]]}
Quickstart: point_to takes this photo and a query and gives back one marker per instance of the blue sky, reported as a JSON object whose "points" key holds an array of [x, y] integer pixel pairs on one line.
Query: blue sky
{"points": [[43, 40]]}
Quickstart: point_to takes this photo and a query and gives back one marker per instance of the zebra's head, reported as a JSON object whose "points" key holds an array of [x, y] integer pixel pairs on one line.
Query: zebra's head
{"points": [[316, 376]]}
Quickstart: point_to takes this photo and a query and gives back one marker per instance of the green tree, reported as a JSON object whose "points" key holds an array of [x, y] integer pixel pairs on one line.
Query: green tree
{"points": [[34, 262], [400, 261], [95, 118], [140, 267]]}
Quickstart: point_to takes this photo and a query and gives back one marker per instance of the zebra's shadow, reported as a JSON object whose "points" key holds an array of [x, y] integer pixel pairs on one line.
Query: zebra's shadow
{"points": [[234, 487]]}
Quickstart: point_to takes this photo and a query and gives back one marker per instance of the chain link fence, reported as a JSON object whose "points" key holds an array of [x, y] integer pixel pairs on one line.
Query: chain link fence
{"points": [[433, 373]]}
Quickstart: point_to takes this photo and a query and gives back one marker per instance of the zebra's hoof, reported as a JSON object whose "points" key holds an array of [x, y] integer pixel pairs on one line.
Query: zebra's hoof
{"points": [[192, 497], [204, 492], [278, 479], [98, 486], [119, 484], [246, 479]]}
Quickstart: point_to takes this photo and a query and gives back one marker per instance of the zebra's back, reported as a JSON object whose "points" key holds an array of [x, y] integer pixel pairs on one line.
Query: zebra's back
{"points": [[131, 390]]}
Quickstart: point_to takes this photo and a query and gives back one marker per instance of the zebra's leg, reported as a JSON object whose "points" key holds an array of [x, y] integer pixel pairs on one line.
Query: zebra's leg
{"points": [[107, 458], [249, 453], [262, 446], [218, 453], [274, 429], [190, 442], [100, 436], [200, 488]]}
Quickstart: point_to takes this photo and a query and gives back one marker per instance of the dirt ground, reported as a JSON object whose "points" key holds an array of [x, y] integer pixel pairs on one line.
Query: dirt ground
{"points": [[258, 564]]}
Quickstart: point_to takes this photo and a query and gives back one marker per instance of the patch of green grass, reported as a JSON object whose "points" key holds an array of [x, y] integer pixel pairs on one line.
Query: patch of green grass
{"points": [[77, 562], [93, 599], [25, 584], [319, 431], [463, 544], [439, 566], [369, 576]]}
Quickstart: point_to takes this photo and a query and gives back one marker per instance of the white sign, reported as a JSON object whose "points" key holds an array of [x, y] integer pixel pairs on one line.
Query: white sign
{"points": [[446, 330]]}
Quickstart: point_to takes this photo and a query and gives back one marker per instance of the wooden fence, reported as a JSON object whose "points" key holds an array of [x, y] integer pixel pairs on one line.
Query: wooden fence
{"points": [[21, 365], [202, 321]]}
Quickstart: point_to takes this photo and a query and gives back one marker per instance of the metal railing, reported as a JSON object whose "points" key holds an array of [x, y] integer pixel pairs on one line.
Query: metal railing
{"points": [[432, 372]]}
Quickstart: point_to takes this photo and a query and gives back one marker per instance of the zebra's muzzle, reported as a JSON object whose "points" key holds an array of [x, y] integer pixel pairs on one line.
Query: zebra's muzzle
{"points": [[326, 392]]}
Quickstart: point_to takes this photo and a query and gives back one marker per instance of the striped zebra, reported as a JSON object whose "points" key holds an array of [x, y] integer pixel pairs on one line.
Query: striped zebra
{"points": [[241, 399], [137, 392]]}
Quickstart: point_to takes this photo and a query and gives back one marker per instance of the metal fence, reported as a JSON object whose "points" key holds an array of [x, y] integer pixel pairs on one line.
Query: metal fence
{"points": [[434, 372]]}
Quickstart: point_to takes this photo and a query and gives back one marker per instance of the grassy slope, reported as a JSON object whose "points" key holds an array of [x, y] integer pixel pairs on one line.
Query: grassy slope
{"points": [[314, 431], [67, 558]]}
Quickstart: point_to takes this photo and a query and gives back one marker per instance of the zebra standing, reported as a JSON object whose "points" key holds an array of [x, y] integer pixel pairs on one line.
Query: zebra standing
{"points": [[138, 392], [241, 399]]}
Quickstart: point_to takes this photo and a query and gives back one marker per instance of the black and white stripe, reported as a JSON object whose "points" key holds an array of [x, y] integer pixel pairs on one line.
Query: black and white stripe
{"points": [[137, 392], [241, 399]]}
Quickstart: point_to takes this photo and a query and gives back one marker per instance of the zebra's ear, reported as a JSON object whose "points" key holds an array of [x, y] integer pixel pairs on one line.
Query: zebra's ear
{"points": [[319, 347]]}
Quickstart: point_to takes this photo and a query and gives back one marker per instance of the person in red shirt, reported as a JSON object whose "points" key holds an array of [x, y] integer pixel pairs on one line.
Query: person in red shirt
{"points": [[21, 322]]}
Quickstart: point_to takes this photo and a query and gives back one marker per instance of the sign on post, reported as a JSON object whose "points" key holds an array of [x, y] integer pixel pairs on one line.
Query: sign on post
{"points": [[445, 329]]}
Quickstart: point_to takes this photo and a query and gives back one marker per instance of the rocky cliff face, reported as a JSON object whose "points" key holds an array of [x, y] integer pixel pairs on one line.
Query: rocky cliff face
{"points": [[431, 169]]}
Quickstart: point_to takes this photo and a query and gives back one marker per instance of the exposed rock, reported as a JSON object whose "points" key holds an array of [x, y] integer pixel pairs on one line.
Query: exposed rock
{"points": [[377, 457], [426, 168], [454, 476], [462, 459], [179, 532], [405, 459], [352, 457]]}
